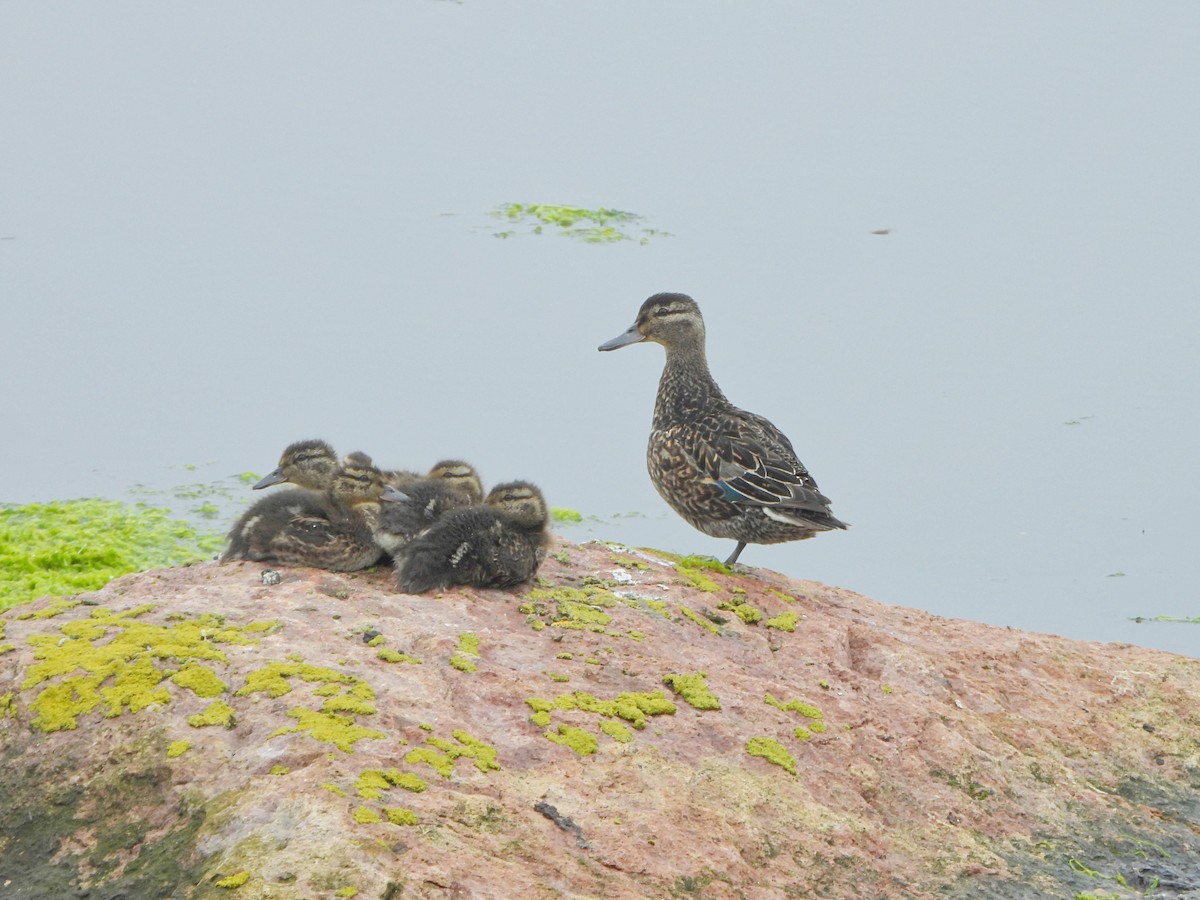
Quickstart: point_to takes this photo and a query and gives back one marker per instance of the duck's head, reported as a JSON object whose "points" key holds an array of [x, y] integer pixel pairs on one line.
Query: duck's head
{"points": [[520, 501], [357, 481], [460, 477], [306, 464], [668, 319]]}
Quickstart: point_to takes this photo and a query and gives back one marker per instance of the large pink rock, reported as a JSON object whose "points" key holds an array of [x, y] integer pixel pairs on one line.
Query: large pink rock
{"points": [[629, 728]]}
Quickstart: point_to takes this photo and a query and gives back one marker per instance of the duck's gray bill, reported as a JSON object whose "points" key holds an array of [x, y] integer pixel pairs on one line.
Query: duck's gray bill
{"points": [[393, 495], [632, 336], [274, 478]]}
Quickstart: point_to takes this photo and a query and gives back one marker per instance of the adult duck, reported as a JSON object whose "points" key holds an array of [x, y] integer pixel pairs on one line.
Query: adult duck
{"points": [[727, 472]]}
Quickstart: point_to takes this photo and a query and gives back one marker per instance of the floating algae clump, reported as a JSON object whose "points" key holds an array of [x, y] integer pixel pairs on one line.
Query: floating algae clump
{"points": [[71, 546], [772, 751], [592, 226], [693, 689], [83, 672]]}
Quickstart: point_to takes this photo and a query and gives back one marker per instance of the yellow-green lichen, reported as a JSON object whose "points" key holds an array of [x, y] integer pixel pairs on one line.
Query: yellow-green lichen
{"points": [[334, 789], [564, 656], [398, 816], [626, 562], [341, 731], [327, 690], [744, 611], [200, 680], [366, 816], [582, 742], [784, 621], [468, 643], [7, 706], [439, 762], [216, 713], [349, 704], [699, 619], [376, 641], [805, 709], [557, 676], [393, 657], [698, 579], [631, 706], [108, 657], [463, 663], [482, 753], [802, 733], [710, 563], [177, 748], [6, 648], [786, 598], [234, 881], [280, 770], [693, 689], [272, 679], [817, 727], [616, 731], [579, 614], [772, 751], [371, 783], [346, 892]]}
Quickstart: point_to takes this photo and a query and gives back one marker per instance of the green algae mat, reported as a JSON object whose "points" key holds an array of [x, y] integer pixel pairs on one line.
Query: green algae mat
{"points": [[71, 546]]}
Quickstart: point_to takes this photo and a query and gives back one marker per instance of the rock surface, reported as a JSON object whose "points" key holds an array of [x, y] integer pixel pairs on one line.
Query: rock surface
{"points": [[635, 726]]}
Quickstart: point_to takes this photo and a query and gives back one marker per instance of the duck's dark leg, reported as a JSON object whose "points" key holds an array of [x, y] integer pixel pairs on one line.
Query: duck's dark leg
{"points": [[737, 550]]}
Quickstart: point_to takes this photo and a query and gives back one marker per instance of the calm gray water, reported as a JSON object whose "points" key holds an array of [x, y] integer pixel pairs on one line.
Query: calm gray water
{"points": [[229, 226]]}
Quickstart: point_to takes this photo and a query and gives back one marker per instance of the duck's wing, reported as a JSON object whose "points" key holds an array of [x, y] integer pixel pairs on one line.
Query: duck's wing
{"points": [[753, 463]]}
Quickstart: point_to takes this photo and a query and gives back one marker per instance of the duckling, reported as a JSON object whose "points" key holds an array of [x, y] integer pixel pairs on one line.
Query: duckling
{"points": [[496, 545], [728, 472], [306, 464], [330, 530], [451, 484]]}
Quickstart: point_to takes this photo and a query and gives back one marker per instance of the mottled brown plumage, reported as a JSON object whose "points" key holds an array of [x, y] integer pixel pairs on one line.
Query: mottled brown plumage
{"points": [[499, 544], [450, 484], [727, 472], [307, 464], [333, 529]]}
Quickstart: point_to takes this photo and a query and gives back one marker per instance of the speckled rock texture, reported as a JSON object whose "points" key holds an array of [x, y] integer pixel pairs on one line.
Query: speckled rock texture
{"points": [[633, 725]]}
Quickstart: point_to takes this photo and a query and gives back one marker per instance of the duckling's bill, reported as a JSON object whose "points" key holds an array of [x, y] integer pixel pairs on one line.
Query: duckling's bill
{"points": [[275, 477]]}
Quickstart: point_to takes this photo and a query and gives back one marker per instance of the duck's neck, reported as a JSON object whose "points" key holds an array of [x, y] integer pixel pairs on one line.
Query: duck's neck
{"points": [[687, 388]]}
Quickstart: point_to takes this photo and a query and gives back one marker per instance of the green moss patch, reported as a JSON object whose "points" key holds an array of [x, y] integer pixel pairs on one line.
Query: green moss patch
{"points": [[398, 816], [616, 731], [178, 748], [632, 707], [744, 611], [200, 680], [372, 783], [693, 689], [440, 754], [72, 546], [234, 881]]}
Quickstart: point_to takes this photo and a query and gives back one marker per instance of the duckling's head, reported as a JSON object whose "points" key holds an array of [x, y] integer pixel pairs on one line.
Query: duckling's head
{"points": [[306, 464], [520, 501], [672, 320], [357, 481], [460, 477]]}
